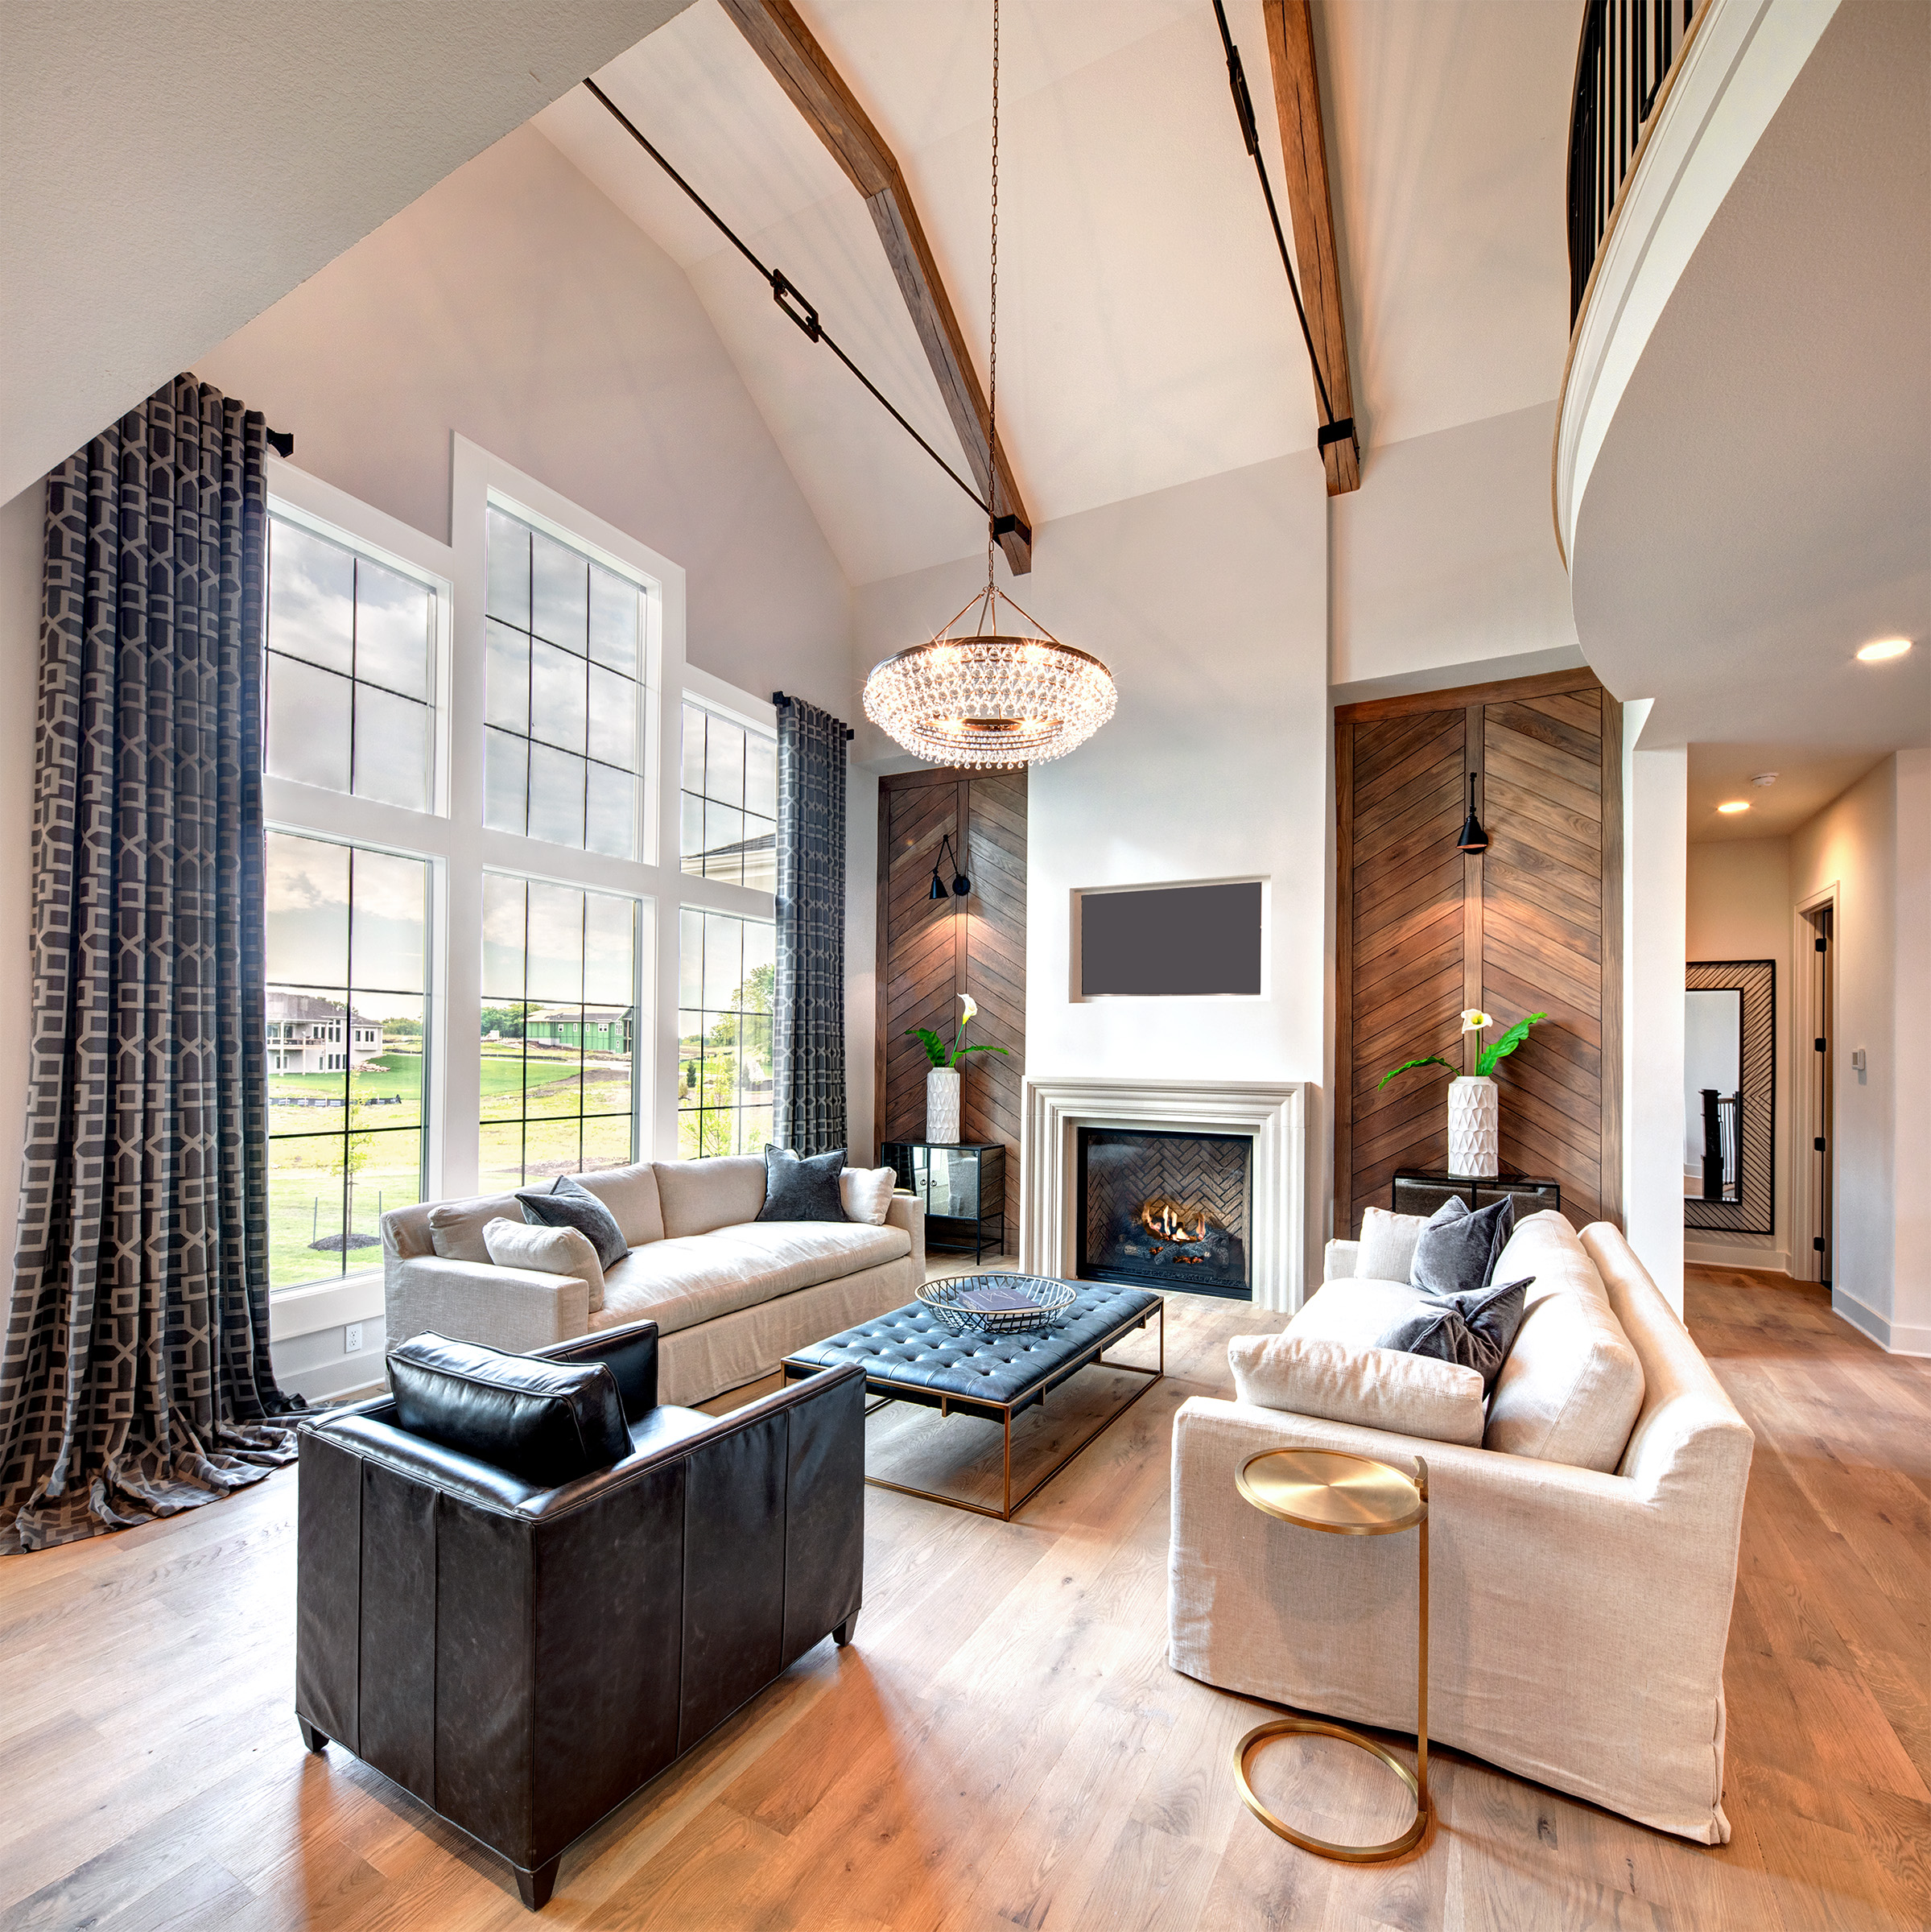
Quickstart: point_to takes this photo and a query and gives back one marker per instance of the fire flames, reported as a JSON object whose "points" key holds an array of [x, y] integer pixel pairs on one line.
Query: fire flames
{"points": [[1176, 1224]]}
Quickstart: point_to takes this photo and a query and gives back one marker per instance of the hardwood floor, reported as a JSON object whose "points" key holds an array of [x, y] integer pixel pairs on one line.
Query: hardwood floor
{"points": [[1003, 1745]]}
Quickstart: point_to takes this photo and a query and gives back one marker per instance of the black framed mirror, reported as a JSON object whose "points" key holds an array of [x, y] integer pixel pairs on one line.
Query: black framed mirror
{"points": [[1730, 1095]]}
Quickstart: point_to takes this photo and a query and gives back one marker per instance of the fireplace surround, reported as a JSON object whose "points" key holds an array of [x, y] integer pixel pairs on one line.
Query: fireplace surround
{"points": [[1270, 1115]]}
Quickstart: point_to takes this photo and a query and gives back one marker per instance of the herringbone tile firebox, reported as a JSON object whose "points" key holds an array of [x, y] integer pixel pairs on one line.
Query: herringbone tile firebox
{"points": [[1168, 1210]]}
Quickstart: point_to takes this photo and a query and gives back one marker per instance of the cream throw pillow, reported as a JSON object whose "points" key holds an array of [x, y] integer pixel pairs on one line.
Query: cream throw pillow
{"points": [[1373, 1388], [865, 1193], [455, 1228], [1388, 1245], [548, 1251]]}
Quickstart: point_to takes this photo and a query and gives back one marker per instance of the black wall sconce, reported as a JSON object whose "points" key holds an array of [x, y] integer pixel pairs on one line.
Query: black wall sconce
{"points": [[961, 885], [1473, 838]]}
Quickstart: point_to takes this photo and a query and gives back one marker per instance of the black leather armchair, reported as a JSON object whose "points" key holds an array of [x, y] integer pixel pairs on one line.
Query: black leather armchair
{"points": [[523, 1658]]}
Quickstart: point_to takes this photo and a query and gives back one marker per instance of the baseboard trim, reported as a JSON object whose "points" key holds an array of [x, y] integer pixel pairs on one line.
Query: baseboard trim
{"points": [[1771, 1277], [1894, 1338], [1752, 1261]]}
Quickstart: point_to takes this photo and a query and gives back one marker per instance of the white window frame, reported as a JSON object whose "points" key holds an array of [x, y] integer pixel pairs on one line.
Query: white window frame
{"points": [[460, 848]]}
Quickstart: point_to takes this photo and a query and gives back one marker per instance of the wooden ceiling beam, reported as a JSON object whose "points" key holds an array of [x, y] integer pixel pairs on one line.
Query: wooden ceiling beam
{"points": [[800, 66], [1290, 46]]}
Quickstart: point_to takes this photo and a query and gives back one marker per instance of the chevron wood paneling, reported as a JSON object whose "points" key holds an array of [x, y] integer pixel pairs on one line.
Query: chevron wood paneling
{"points": [[1423, 932], [930, 951]]}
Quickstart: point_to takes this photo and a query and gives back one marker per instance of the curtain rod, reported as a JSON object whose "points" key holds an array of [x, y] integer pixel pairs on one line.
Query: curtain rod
{"points": [[779, 698]]}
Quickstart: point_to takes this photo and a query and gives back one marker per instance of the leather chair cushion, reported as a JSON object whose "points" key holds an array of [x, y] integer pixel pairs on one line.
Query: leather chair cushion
{"points": [[548, 1422]]}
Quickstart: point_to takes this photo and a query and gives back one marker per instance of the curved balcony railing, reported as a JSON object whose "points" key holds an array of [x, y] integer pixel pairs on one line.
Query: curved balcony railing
{"points": [[1629, 50]]}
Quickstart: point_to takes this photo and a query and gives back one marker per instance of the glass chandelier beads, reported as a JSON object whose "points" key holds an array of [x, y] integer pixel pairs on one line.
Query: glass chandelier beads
{"points": [[990, 700]]}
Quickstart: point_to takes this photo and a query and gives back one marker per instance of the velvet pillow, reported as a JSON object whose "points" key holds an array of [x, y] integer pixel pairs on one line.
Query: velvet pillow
{"points": [[1474, 1329], [566, 1202], [802, 1190], [1457, 1250]]}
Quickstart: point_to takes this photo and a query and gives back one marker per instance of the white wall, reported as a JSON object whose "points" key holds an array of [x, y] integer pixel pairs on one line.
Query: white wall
{"points": [[514, 305], [1655, 806], [1873, 846], [1208, 602], [1739, 907], [1445, 557]]}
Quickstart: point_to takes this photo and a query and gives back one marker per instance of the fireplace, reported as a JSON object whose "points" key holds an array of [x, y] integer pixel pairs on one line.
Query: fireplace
{"points": [[1165, 1209]]}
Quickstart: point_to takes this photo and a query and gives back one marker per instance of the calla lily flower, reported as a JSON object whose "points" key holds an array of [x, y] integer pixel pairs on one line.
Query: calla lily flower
{"points": [[1473, 1019], [971, 1005]]}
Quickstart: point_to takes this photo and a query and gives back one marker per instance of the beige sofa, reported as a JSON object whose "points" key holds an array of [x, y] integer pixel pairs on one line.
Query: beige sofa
{"points": [[1579, 1615], [731, 1295]]}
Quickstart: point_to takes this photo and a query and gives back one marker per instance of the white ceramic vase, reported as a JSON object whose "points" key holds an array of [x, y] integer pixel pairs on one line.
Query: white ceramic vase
{"points": [[1473, 1127], [941, 1106]]}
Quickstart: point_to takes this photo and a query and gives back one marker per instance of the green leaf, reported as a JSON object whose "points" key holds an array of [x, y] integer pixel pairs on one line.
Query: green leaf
{"points": [[966, 1050], [934, 1047], [1433, 1060], [1507, 1045]]}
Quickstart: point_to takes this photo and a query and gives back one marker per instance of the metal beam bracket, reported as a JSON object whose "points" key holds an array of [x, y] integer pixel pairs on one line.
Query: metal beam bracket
{"points": [[804, 315], [1342, 431]]}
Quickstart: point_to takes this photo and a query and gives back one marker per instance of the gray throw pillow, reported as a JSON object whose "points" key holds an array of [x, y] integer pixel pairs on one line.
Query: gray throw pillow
{"points": [[1458, 1250], [805, 1189], [566, 1202], [1474, 1329]]}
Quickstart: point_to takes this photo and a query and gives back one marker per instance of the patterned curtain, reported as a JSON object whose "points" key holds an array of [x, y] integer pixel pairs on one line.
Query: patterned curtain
{"points": [[808, 1008], [136, 1379]]}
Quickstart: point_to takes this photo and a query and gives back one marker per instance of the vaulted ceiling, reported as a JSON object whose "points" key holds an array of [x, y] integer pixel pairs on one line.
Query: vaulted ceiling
{"points": [[1146, 335]]}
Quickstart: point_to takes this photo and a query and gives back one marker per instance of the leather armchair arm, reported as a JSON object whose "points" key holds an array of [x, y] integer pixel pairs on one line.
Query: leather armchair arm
{"points": [[516, 1309], [906, 1211]]}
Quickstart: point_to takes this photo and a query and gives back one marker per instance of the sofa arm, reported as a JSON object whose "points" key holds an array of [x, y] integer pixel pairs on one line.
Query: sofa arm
{"points": [[906, 1211], [1340, 1259], [512, 1309]]}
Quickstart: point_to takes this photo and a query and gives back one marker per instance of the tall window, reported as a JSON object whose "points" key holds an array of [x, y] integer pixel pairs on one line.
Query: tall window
{"points": [[729, 801], [351, 670], [348, 956], [727, 968], [559, 1043], [563, 693]]}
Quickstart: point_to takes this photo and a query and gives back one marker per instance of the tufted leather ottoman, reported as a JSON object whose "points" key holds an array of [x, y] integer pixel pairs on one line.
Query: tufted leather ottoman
{"points": [[909, 1355]]}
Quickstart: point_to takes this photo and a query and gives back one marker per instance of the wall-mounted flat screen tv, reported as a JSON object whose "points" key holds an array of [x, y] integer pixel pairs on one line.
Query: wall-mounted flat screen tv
{"points": [[1171, 940]]}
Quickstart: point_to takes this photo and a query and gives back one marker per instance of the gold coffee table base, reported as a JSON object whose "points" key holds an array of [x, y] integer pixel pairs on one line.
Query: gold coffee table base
{"points": [[1352, 1854], [1342, 1494]]}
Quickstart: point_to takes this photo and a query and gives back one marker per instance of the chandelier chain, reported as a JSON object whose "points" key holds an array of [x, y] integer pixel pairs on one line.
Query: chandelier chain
{"points": [[992, 487]]}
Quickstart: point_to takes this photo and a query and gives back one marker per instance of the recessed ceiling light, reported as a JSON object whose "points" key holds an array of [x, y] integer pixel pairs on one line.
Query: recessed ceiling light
{"points": [[1884, 648], [1735, 805], [1766, 778]]}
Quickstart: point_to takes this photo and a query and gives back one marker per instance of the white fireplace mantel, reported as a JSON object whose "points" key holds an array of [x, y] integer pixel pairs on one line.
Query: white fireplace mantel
{"points": [[1274, 1113]]}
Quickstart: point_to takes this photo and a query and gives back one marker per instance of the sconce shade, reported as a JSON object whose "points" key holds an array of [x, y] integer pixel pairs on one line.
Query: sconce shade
{"points": [[937, 889], [1473, 838]]}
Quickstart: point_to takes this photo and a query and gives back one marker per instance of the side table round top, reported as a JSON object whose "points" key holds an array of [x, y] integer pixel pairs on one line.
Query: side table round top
{"points": [[1330, 1489]]}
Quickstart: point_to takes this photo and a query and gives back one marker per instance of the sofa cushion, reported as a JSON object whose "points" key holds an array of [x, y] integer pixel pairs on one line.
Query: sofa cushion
{"points": [[1457, 1250], [565, 1203], [455, 1228], [1572, 1387], [685, 1279], [1353, 1312], [867, 1192], [548, 1422], [1373, 1388], [696, 1196], [1386, 1252], [803, 1188], [631, 1194], [1473, 1331], [546, 1250]]}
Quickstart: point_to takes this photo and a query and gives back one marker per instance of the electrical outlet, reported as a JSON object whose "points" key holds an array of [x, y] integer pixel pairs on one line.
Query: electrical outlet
{"points": [[352, 1339]]}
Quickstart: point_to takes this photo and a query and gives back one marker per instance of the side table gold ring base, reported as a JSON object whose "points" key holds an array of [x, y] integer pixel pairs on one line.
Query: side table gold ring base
{"points": [[1353, 1855]]}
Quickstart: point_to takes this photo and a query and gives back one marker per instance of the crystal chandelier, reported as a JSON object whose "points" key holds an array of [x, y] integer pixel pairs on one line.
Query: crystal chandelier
{"points": [[990, 695]]}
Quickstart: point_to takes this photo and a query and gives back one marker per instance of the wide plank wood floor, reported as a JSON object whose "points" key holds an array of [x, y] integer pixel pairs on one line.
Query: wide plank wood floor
{"points": [[1004, 1744]]}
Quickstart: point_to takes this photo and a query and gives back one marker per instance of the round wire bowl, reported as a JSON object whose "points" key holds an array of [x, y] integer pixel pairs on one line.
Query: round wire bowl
{"points": [[1050, 1301]]}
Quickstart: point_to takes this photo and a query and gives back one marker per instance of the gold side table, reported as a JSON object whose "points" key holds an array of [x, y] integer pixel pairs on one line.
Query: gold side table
{"points": [[1343, 1495]]}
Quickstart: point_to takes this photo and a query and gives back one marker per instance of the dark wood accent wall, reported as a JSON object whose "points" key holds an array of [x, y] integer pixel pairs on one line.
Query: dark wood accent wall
{"points": [[1532, 925], [930, 951]]}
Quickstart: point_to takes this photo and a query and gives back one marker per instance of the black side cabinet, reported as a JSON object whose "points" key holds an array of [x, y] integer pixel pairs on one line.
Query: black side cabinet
{"points": [[1416, 1192], [962, 1188]]}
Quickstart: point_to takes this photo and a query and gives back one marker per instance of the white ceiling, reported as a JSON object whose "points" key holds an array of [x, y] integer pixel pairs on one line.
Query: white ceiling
{"points": [[1807, 780], [1147, 337], [1761, 507], [170, 169]]}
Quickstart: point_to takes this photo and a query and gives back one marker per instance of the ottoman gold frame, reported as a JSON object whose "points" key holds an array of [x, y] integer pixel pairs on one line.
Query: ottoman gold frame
{"points": [[1343, 1495]]}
